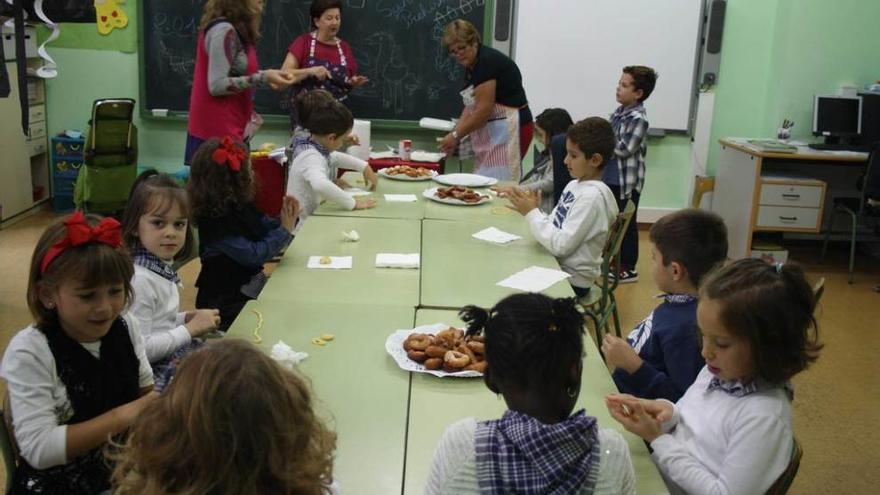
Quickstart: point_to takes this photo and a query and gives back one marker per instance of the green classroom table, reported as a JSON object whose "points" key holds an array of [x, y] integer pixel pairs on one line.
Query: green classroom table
{"points": [[458, 270], [383, 209], [435, 403], [359, 389], [363, 283]]}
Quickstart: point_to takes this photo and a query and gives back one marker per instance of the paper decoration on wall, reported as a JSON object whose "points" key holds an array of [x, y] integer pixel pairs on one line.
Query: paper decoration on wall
{"points": [[110, 16]]}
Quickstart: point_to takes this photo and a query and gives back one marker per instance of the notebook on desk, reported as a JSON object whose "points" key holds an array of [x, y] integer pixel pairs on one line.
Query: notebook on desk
{"points": [[772, 146]]}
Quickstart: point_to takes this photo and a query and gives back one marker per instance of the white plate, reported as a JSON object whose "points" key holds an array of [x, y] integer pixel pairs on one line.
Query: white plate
{"points": [[466, 180], [407, 178], [431, 194], [394, 346]]}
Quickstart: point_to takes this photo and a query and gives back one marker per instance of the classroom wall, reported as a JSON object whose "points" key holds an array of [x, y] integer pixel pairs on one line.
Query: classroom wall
{"points": [[776, 54]]}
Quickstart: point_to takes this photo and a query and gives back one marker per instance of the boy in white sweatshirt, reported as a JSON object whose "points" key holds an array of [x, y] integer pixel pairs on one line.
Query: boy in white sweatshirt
{"points": [[576, 230], [315, 155]]}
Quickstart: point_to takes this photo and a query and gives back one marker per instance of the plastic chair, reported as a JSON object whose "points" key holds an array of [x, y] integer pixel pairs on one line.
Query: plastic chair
{"points": [[857, 208], [702, 185], [110, 159], [599, 304], [7, 443], [784, 481]]}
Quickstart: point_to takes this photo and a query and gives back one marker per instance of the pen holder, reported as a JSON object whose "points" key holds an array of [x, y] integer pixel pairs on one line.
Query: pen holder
{"points": [[783, 133]]}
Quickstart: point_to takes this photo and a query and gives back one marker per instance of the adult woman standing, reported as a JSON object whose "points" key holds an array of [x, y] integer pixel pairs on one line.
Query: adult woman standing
{"points": [[496, 112], [227, 73], [322, 50]]}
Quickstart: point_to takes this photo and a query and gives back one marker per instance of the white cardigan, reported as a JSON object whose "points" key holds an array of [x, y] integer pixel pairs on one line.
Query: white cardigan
{"points": [[721, 444], [38, 397], [309, 180], [155, 306], [454, 469]]}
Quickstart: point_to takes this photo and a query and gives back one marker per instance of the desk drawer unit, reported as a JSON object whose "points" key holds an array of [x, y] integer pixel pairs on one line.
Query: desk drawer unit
{"points": [[786, 217], [792, 195]]}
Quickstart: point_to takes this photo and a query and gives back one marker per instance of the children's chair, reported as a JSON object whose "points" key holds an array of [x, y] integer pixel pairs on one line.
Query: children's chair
{"points": [[110, 159], [783, 483], [599, 304], [702, 185], [858, 208], [7, 443]]}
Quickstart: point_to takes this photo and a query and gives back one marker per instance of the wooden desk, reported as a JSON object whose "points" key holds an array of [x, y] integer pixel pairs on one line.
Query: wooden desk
{"points": [[435, 403], [738, 185]]}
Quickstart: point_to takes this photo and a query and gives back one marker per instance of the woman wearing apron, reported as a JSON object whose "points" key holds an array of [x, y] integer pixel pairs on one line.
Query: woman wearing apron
{"points": [[496, 113], [321, 48]]}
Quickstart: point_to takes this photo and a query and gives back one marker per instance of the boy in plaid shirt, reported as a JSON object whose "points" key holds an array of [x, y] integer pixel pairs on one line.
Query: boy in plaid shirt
{"points": [[625, 173]]}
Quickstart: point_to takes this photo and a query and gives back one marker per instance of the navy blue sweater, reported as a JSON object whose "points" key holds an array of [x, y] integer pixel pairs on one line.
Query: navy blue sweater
{"points": [[668, 343]]}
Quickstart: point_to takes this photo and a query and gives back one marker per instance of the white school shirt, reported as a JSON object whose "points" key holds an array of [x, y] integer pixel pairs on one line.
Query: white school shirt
{"points": [[38, 397], [309, 180], [576, 230], [155, 306], [454, 468], [721, 444]]}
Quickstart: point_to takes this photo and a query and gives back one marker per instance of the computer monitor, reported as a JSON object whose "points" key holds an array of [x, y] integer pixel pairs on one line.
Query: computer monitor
{"points": [[837, 117]]}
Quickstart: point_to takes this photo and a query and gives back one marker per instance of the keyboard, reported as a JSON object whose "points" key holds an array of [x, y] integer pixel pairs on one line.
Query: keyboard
{"points": [[840, 147]]}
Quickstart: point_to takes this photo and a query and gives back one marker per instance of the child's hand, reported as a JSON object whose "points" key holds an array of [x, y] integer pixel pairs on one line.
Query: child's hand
{"points": [[619, 354], [501, 191], [523, 201], [289, 212], [202, 321], [370, 178], [638, 416], [342, 183], [364, 203], [351, 140]]}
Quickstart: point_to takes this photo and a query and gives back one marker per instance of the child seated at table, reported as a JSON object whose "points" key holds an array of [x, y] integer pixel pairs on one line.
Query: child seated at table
{"points": [[329, 124], [232, 421], [535, 348], [576, 230], [235, 238], [661, 358], [731, 432]]}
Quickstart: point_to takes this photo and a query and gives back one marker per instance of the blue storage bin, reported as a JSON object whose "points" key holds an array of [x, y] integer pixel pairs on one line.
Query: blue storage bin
{"points": [[65, 147], [63, 203], [66, 167], [63, 185]]}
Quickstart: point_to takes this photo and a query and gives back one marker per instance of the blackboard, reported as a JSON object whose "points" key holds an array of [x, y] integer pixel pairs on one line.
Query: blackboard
{"points": [[396, 44]]}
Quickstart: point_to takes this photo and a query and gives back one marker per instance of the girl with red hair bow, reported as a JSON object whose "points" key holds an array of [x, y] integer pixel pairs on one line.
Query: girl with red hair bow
{"points": [[79, 374], [235, 238]]}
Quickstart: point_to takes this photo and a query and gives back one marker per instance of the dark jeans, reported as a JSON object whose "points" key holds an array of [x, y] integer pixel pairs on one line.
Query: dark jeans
{"points": [[629, 249], [580, 291]]}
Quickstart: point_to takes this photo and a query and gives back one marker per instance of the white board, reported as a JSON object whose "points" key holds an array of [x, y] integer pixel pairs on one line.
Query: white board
{"points": [[571, 53]]}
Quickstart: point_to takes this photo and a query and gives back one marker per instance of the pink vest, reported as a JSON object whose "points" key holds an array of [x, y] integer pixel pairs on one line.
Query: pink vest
{"points": [[218, 116]]}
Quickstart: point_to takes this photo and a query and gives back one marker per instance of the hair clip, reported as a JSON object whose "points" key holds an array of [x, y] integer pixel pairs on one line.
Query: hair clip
{"points": [[229, 154], [108, 232], [779, 267]]}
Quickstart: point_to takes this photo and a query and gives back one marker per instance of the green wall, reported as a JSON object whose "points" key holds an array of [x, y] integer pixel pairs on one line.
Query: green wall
{"points": [[776, 55]]}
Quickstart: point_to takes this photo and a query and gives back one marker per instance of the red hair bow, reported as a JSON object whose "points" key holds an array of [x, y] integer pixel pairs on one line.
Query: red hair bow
{"points": [[79, 232], [229, 154]]}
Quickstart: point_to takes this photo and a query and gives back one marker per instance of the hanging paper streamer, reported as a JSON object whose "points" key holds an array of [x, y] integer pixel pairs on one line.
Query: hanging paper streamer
{"points": [[50, 68], [110, 16]]}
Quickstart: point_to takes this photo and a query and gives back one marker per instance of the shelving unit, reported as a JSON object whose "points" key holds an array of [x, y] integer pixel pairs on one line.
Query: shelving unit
{"points": [[24, 157]]}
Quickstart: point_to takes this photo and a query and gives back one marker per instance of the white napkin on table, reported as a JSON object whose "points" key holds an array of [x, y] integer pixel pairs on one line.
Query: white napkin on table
{"points": [[395, 260], [426, 156], [495, 236], [533, 279], [356, 191], [336, 262], [286, 356], [401, 198]]}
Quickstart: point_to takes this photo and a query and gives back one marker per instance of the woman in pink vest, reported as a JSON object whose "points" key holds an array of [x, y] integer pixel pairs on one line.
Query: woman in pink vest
{"points": [[227, 73]]}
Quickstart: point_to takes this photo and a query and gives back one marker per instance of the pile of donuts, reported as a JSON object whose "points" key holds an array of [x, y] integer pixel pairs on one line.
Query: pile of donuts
{"points": [[460, 193], [414, 172], [449, 350]]}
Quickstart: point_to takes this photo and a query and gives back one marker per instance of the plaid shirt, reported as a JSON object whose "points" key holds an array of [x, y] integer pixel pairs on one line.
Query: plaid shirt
{"points": [[739, 388], [630, 129], [151, 262], [519, 454]]}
